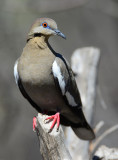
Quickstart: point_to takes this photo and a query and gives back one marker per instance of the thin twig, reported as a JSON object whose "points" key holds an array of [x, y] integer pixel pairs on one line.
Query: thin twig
{"points": [[99, 139], [98, 126]]}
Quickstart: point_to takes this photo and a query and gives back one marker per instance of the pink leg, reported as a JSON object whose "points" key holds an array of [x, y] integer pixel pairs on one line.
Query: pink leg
{"points": [[58, 122], [56, 118], [51, 117], [34, 124]]}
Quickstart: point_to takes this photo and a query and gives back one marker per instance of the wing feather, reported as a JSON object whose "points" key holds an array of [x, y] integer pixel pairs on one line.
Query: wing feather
{"points": [[63, 73], [65, 80], [21, 88], [16, 75]]}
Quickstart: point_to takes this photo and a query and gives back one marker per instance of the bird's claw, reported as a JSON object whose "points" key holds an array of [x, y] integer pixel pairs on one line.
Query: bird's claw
{"points": [[34, 124], [57, 129], [45, 121], [56, 119], [49, 130]]}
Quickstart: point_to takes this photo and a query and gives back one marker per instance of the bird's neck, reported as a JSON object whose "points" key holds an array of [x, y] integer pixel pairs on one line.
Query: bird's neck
{"points": [[39, 42]]}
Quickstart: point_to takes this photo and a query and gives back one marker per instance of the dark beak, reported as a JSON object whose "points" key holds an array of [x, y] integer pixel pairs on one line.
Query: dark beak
{"points": [[57, 32]]}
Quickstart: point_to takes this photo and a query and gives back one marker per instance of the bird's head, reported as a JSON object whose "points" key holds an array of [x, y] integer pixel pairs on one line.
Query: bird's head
{"points": [[46, 27]]}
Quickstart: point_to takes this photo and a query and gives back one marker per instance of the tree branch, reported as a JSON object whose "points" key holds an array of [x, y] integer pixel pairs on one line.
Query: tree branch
{"points": [[52, 145]]}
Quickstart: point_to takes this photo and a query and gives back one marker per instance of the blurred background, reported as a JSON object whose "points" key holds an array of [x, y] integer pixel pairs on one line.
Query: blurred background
{"points": [[85, 23]]}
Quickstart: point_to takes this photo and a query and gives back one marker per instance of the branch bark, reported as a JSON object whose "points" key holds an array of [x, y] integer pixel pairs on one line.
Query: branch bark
{"points": [[105, 153], [52, 145]]}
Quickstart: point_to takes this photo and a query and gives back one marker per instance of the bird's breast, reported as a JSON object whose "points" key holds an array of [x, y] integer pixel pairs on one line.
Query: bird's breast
{"points": [[38, 82], [36, 71]]}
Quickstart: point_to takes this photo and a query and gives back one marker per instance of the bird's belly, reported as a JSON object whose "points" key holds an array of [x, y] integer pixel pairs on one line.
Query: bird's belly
{"points": [[47, 97]]}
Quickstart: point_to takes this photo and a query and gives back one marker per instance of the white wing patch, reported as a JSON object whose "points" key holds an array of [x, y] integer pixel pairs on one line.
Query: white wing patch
{"points": [[57, 73], [70, 99], [16, 72]]}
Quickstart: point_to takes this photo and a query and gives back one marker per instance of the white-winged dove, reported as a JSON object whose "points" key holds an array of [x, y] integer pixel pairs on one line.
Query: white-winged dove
{"points": [[45, 79]]}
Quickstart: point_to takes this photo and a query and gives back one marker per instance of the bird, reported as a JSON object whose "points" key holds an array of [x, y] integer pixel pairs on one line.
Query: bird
{"points": [[46, 80]]}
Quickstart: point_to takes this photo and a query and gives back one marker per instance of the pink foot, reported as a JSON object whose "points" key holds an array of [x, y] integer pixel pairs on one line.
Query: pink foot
{"points": [[56, 118], [34, 124]]}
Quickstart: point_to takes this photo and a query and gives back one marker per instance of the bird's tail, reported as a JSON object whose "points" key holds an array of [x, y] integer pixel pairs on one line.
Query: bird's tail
{"points": [[84, 133], [83, 129]]}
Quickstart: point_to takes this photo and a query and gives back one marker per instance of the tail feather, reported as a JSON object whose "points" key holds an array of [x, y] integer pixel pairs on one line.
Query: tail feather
{"points": [[82, 129], [85, 133]]}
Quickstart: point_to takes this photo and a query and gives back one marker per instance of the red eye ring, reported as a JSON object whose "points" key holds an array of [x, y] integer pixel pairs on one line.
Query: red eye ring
{"points": [[44, 24]]}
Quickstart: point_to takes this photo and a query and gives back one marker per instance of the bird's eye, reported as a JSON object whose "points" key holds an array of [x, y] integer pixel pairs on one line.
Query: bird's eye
{"points": [[44, 24]]}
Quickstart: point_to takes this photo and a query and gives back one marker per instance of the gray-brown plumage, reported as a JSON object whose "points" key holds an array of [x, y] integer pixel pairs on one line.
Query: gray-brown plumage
{"points": [[46, 80]]}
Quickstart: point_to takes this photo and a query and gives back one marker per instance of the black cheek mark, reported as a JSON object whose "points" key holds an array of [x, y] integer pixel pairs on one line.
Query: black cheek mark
{"points": [[37, 34]]}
